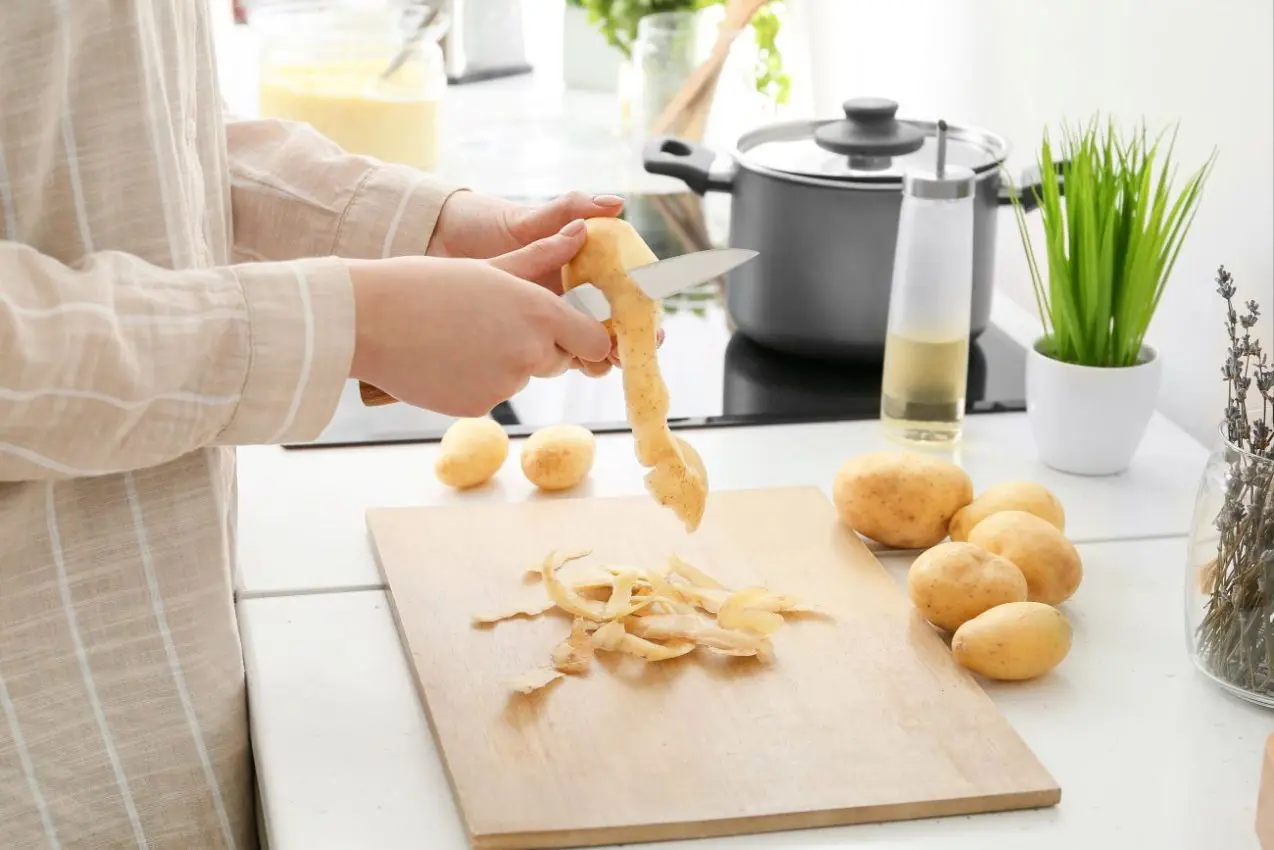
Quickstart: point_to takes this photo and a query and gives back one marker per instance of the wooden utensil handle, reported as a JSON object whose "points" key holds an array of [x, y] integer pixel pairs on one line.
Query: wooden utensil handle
{"points": [[738, 14], [693, 87], [1265, 798], [374, 396]]}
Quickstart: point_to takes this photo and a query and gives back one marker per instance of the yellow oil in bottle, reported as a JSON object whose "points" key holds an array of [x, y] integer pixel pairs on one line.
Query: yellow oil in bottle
{"points": [[923, 388]]}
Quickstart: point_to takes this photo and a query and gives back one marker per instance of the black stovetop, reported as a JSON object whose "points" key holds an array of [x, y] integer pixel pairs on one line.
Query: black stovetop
{"points": [[715, 377]]}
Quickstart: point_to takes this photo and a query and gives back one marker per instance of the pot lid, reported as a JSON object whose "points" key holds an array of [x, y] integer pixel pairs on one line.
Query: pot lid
{"points": [[870, 145]]}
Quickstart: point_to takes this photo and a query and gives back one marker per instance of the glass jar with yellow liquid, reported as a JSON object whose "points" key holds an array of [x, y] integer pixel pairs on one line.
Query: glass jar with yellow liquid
{"points": [[331, 64]]}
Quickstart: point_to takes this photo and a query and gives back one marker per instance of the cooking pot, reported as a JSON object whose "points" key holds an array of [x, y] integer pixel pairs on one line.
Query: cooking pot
{"points": [[820, 201]]}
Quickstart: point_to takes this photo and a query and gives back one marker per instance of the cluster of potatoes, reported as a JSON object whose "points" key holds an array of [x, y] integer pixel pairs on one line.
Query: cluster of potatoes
{"points": [[994, 568], [556, 457]]}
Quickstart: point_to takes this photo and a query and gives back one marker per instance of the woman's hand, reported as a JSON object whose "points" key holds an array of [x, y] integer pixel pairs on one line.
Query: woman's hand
{"points": [[458, 336], [481, 226]]}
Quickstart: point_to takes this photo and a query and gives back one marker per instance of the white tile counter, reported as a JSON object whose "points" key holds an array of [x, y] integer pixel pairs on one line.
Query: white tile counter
{"points": [[1147, 752]]}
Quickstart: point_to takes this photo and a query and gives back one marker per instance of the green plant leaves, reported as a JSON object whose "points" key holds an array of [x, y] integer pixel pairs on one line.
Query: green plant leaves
{"points": [[771, 80], [617, 21], [1111, 243]]}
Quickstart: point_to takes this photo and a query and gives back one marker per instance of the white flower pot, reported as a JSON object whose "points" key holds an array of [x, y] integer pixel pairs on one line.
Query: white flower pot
{"points": [[1089, 420], [589, 62]]}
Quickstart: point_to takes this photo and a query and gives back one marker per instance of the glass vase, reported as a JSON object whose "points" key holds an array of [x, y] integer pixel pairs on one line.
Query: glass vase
{"points": [[667, 49], [1230, 573]]}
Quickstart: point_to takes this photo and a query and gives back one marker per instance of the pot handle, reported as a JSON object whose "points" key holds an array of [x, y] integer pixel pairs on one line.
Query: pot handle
{"points": [[686, 161], [1032, 181]]}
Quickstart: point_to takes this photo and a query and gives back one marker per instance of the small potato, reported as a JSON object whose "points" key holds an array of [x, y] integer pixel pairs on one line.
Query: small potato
{"points": [[558, 457], [901, 499], [471, 452], [1049, 561], [1014, 641], [952, 583], [1008, 496]]}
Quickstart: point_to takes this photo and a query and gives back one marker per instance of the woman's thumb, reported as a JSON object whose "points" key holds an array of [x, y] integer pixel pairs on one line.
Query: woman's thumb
{"points": [[543, 256]]}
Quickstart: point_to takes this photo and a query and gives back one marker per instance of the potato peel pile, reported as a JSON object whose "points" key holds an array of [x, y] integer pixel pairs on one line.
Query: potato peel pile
{"points": [[677, 477], [656, 615]]}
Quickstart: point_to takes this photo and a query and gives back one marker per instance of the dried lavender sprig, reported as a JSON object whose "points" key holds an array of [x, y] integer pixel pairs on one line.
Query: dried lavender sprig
{"points": [[1236, 634]]}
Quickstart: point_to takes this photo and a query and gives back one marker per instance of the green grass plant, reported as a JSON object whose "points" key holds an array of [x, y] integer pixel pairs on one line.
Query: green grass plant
{"points": [[1111, 242]]}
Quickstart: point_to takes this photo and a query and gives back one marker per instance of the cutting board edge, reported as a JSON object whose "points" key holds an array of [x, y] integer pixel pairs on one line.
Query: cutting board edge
{"points": [[466, 504], [1041, 798], [422, 697], [370, 515]]}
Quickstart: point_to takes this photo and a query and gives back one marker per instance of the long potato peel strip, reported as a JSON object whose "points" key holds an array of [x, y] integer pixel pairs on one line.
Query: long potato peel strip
{"points": [[655, 614], [677, 477]]}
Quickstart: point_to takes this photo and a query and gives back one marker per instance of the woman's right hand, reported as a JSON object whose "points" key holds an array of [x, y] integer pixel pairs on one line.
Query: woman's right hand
{"points": [[459, 336]]}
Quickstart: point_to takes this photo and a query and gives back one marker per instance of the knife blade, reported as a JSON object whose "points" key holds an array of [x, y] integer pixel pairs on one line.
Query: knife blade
{"points": [[664, 278]]}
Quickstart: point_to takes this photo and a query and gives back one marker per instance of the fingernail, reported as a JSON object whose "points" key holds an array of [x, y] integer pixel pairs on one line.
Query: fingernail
{"points": [[573, 228], [607, 200]]}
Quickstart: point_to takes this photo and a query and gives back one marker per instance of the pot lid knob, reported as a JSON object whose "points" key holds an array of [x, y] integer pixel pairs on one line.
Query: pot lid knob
{"points": [[869, 130]]}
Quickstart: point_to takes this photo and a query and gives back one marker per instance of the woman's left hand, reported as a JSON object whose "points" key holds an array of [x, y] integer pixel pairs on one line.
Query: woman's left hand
{"points": [[482, 226]]}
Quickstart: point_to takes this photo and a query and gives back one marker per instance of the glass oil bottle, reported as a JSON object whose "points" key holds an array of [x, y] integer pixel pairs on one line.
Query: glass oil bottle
{"points": [[925, 377]]}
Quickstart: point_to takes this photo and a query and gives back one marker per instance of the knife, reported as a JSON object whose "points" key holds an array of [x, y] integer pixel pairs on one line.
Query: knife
{"points": [[663, 278], [658, 280]]}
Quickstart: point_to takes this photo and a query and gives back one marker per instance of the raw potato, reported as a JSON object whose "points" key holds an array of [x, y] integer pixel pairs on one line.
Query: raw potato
{"points": [[952, 583], [676, 479], [558, 457], [1049, 561], [1008, 496], [1018, 640], [471, 452], [901, 499]]}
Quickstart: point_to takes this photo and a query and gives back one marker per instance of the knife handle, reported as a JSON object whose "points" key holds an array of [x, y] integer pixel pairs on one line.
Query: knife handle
{"points": [[374, 396]]}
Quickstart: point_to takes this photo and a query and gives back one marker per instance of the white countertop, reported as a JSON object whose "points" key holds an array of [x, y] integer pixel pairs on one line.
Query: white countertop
{"points": [[1147, 752], [301, 512]]}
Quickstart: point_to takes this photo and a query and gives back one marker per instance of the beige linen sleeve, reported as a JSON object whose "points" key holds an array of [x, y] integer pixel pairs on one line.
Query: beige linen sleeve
{"points": [[295, 193], [117, 364]]}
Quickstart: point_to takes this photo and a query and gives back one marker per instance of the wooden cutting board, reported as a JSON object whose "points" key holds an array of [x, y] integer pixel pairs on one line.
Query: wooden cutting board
{"points": [[863, 717]]}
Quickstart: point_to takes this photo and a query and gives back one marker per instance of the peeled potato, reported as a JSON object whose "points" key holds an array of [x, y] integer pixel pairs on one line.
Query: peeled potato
{"points": [[1049, 561], [952, 583], [613, 246], [1017, 640], [471, 452], [901, 499], [1008, 496], [558, 457]]}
